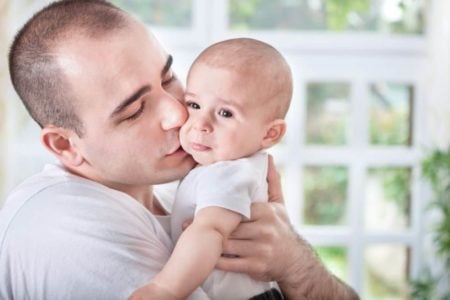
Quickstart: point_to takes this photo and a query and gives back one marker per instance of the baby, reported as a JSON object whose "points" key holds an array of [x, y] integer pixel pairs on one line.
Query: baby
{"points": [[238, 92]]}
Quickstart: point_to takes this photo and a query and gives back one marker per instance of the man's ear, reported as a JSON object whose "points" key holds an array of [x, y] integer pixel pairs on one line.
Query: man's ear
{"points": [[59, 141], [274, 132]]}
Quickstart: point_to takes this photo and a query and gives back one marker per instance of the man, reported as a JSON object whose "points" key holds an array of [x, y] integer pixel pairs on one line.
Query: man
{"points": [[102, 89]]}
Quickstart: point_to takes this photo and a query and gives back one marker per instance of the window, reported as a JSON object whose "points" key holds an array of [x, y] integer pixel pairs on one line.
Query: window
{"points": [[358, 15], [172, 13]]}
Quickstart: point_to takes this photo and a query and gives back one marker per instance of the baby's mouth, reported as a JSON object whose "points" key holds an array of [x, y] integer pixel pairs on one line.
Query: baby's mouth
{"points": [[199, 147]]}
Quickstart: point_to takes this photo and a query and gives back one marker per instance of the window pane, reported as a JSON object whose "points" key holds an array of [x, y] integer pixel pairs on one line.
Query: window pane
{"points": [[25, 128], [283, 174], [386, 269], [386, 16], [325, 194], [328, 112], [390, 114], [388, 199], [170, 13], [335, 259]]}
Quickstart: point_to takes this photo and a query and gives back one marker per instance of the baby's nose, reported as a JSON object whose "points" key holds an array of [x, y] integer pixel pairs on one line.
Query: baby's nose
{"points": [[203, 126]]}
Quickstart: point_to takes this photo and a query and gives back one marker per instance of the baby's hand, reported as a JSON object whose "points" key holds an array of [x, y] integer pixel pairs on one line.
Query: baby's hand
{"points": [[152, 291]]}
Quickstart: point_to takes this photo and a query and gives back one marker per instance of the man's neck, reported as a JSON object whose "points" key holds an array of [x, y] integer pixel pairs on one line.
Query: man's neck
{"points": [[142, 194], [145, 196], [152, 203]]}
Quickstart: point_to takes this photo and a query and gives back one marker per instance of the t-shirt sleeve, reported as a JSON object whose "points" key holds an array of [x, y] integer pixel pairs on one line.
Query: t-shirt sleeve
{"points": [[229, 185], [86, 245]]}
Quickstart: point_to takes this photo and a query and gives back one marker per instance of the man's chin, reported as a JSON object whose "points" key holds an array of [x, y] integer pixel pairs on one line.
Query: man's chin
{"points": [[188, 164]]}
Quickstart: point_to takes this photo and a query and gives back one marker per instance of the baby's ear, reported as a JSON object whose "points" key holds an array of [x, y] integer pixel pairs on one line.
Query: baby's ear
{"points": [[274, 132]]}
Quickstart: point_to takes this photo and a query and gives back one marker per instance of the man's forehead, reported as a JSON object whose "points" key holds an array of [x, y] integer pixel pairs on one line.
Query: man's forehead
{"points": [[110, 57], [105, 71]]}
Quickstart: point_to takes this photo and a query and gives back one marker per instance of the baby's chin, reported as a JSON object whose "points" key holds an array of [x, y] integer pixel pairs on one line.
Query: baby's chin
{"points": [[203, 160]]}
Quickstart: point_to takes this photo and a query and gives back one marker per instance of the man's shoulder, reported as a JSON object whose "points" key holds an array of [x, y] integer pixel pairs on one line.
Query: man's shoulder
{"points": [[50, 186], [85, 229], [45, 203]]}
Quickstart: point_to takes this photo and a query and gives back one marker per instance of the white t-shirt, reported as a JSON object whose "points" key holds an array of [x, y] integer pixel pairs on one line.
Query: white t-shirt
{"points": [[233, 185], [66, 237]]}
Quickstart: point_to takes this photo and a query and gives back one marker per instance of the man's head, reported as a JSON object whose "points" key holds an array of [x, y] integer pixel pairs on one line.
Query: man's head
{"points": [[238, 93], [101, 87], [36, 73]]}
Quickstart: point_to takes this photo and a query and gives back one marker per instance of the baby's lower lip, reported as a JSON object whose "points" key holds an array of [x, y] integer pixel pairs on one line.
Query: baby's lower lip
{"points": [[199, 147]]}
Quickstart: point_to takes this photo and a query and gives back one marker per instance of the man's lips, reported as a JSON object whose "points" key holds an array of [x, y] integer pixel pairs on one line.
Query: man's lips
{"points": [[175, 151], [199, 147]]}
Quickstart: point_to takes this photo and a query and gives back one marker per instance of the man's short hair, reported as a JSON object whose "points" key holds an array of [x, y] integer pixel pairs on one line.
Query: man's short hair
{"points": [[35, 73]]}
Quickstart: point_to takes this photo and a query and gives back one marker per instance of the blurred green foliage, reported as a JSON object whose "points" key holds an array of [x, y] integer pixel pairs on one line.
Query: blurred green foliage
{"points": [[335, 259], [328, 15], [390, 114], [325, 15], [389, 128], [325, 194], [436, 170], [170, 13], [380, 288], [338, 11], [327, 126], [396, 187]]}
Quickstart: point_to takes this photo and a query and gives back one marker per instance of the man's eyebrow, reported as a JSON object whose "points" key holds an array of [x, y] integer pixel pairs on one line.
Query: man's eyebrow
{"points": [[167, 65], [125, 103]]}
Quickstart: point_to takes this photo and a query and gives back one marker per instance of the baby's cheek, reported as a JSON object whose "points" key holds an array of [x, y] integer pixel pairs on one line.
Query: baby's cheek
{"points": [[183, 135]]}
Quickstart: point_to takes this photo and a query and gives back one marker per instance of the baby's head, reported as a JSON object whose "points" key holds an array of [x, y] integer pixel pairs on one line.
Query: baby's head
{"points": [[237, 95]]}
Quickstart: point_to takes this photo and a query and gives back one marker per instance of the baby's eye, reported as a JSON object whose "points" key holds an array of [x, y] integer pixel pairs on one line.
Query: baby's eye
{"points": [[192, 105], [225, 113]]}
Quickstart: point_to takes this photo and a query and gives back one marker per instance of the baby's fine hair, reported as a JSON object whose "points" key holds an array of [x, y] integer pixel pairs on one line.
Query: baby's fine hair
{"points": [[260, 61]]}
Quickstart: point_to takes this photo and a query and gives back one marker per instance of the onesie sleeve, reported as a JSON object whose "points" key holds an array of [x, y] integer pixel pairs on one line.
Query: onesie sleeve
{"points": [[228, 184]]}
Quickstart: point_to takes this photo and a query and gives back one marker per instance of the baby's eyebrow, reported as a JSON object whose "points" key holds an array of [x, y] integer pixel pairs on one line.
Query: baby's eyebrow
{"points": [[231, 103]]}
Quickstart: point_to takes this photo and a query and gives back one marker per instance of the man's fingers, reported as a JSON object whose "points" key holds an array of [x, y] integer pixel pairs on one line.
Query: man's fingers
{"points": [[237, 265], [274, 181], [263, 216], [245, 231], [249, 266], [241, 248]]}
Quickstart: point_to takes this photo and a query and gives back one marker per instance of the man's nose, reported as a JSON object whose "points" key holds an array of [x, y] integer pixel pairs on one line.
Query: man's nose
{"points": [[174, 113]]}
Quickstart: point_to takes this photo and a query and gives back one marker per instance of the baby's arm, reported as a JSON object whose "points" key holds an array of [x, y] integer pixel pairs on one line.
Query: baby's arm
{"points": [[194, 257]]}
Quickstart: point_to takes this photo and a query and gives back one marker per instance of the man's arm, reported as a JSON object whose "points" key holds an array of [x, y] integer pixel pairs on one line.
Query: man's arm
{"points": [[270, 249]]}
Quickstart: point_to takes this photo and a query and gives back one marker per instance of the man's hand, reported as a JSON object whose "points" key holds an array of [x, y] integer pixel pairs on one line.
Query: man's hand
{"points": [[260, 242], [268, 248]]}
